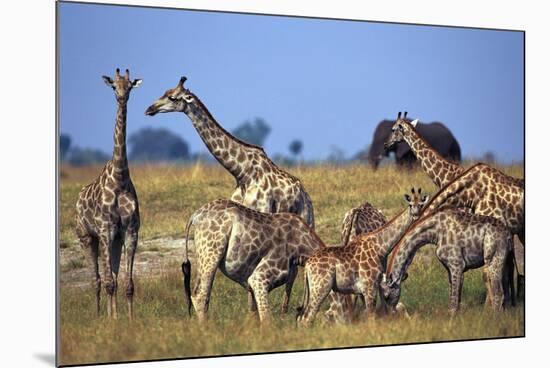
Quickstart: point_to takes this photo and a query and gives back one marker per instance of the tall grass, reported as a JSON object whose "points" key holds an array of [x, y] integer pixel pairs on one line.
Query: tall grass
{"points": [[162, 328]]}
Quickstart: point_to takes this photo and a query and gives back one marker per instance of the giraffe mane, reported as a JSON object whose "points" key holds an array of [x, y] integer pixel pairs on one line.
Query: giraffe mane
{"points": [[411, 227], [419, 136], [203, 107]]}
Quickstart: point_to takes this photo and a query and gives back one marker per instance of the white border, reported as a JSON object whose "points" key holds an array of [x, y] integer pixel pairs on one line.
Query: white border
{"points": [[27, 180]]}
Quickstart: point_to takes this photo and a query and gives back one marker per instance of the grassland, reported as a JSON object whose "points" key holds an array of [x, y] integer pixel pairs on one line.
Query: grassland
{"points": [[162, 328]]}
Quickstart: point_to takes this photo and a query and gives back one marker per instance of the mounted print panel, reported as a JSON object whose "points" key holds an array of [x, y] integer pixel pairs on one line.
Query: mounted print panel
{"points": [[236, 183]]}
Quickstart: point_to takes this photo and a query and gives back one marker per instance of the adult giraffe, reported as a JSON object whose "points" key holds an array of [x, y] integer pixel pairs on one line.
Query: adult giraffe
{"points": [[261, 185], [107, 210], [496, 186]]}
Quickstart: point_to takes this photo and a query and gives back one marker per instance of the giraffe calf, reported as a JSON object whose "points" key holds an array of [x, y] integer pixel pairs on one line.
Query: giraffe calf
{"points": [[257, 250], [356, 268], [463, 241], [358, 220]]}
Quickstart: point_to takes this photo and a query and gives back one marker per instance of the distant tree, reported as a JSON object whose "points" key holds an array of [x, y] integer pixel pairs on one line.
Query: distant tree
{"points": [[157, 144], [86, 156], [255, 132], [296, 147], [64, 145]]}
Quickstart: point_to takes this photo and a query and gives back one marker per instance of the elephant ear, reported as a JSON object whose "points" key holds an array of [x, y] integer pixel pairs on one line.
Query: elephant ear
{"points": [[414, 122]]}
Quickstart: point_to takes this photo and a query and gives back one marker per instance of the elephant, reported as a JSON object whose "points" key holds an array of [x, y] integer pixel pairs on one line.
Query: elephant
{"points": [[436, 134]]}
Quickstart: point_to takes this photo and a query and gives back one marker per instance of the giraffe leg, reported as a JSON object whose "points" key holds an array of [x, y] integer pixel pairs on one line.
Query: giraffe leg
{"points": [[252, 307], [106, 243], [521, 278], [209, 254], [369, 296], [487, 282], [262, 280], [260, 287], [340, 308], [457, 279], [319, 289], [90, 245], [131, 246], [292, 272]]}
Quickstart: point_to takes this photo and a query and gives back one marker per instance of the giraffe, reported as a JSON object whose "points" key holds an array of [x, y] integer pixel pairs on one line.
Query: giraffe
{"points": [[463, 241], [487, 191], [259, 251], [358, 220], [356, 268], [261, 185], [107, 210], [440, 170]]}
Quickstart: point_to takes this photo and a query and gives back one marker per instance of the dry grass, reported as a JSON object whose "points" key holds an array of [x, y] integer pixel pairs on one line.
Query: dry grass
{"points": [[162, 329]]}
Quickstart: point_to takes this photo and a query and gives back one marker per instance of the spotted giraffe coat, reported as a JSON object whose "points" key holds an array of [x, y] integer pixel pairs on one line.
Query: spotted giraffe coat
{"points": [[463, 241], [259, 251], [356, 268]]}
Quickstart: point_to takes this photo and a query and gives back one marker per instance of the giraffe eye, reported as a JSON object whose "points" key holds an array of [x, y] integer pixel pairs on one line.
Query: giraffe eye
{"points": [[173, 99]]}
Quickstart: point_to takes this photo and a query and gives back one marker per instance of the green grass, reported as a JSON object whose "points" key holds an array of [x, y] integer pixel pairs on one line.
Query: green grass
{"points": [[162, 328]]}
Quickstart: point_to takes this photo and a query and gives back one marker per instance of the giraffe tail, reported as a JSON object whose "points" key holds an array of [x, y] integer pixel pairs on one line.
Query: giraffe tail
{"points": [[349, 221], [186, 268], [308, 210], [301, 310]]}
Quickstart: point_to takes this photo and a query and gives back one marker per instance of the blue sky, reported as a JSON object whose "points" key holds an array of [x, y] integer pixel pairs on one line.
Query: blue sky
{"points": [[325, 82]]}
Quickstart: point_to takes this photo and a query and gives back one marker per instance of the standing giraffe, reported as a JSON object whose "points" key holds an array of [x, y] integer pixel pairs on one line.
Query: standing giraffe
{"points": [[486, 191], [356, 268], [261, 185], [463, 241], [260, 251], [440, 170], [107, 210], [358, 220]]}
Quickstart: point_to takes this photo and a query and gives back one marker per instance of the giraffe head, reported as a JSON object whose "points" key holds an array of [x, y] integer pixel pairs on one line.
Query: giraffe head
{"points": [[121, 85], [416, 202], [391, 290], [399, 130], [175, 99], [390, 286]]}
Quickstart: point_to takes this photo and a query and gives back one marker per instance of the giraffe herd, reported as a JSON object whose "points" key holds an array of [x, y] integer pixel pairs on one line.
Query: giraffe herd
{"points": [[265, 230]]}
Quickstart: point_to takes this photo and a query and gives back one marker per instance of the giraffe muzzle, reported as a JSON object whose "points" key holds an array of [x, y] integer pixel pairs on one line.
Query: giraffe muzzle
{"points": [[151, 111]]}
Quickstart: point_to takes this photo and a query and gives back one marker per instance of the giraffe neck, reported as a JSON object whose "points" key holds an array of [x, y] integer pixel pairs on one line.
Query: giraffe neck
{"points": [[457, 192], [438, 169], [230, 152], [422, 233], [120, 160], [390, 233]]}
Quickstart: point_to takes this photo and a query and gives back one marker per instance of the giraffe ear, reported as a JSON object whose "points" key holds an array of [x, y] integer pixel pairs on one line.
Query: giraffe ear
{"points": [[414, 122], [108, 81], [407, 198], [425, 199], [136, 83]]}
